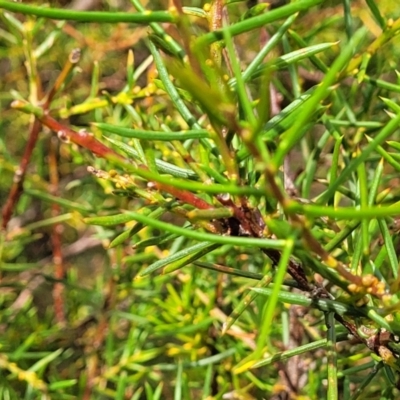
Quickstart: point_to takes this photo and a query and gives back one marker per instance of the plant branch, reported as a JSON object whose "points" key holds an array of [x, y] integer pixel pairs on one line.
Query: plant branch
{"points": [[16, 188]]}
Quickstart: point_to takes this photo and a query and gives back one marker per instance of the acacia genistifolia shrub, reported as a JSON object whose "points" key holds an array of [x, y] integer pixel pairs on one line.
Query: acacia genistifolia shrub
{"points": [[200, 201]]}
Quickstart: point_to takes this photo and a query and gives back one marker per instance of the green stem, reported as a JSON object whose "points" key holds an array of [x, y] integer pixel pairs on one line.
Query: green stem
{"points": [[88, 16]]}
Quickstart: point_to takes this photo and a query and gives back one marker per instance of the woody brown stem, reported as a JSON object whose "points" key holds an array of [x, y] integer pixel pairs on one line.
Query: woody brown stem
{"points": [[19, 175]]}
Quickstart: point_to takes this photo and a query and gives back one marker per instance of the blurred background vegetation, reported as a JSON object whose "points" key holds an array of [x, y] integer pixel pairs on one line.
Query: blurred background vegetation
{"points": [[77, 324]]}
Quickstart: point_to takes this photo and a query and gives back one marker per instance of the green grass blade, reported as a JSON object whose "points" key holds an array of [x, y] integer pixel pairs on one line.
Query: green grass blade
{"points": [[376, 13], [178, 382], [331, 358]]}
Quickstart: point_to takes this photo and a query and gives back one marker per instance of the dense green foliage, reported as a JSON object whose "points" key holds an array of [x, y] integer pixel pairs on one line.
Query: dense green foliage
{"points": [[200, 201]]}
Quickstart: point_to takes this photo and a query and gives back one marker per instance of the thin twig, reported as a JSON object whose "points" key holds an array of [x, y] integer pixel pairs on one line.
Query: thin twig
{"points": [[19, 175]]}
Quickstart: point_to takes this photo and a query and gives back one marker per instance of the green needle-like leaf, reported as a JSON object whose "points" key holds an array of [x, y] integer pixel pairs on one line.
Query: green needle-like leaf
{"points": [[153, 135], [238, 241], [176, 257]]}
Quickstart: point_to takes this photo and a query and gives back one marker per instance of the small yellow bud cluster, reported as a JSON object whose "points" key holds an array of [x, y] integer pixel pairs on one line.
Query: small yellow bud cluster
{"points": [[370, 284]]}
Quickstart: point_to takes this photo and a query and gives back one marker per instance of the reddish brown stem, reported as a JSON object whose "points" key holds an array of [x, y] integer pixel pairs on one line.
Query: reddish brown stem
{"points": [[82, 138], [185, 196], [16, 188]]}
